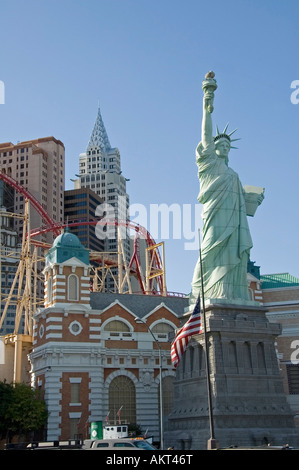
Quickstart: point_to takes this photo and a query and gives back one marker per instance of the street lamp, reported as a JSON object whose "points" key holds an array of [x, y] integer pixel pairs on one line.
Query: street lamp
{"points": [[160, 386]]}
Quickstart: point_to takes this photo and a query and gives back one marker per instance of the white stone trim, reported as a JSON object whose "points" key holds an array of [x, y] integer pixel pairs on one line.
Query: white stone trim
{"points": [[75, 380], [75, 414], [117, 302], [162, 304], [53, 327], [50, 319], [54, 335]]}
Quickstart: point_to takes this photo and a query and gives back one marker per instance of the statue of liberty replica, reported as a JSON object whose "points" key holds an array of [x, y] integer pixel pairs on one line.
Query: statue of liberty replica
{"points": [[228, 390], [226, 240]]}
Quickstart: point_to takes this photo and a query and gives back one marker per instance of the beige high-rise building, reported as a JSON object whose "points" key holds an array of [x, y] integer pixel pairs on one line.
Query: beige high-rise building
{"points": [[39, 166]]}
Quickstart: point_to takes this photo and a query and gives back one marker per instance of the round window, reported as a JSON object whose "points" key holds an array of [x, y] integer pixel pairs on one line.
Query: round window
{"points": [[75, 328]]}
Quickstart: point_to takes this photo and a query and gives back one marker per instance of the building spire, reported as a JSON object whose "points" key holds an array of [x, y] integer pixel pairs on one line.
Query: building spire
{"points": [[99, 137]]}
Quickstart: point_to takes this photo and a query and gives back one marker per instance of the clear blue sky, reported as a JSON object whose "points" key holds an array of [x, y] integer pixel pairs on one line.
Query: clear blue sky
{"points": [[144, 61]]}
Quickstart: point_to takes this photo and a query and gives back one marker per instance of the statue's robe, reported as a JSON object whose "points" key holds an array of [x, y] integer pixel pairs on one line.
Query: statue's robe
{"points": [[226, 240]]}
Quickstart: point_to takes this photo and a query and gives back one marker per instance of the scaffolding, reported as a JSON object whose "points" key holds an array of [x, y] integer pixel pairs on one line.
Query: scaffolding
{"points": [[23, 290], [22, 293]]}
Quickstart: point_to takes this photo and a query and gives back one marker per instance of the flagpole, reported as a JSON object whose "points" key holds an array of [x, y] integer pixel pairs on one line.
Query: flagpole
{"points": [[212, 442]]}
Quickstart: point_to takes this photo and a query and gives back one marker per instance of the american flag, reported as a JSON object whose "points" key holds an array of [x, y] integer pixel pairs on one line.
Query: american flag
{"points": [[192, 327], [118, 414]]}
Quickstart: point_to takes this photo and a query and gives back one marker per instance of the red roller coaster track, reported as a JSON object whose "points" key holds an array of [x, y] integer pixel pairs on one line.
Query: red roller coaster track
{"points": [[135, 259], [34, 202], [52, 226]]}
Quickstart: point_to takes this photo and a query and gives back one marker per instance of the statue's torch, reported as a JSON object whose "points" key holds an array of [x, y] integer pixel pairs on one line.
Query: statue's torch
{"points": [[209, 85]]}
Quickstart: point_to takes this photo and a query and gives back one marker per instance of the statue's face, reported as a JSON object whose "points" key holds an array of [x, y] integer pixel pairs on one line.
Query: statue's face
{"points": [[222, 148]]}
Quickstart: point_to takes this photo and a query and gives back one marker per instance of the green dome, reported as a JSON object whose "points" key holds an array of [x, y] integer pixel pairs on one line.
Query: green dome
{"points": [[67, 239], [66, 246]]}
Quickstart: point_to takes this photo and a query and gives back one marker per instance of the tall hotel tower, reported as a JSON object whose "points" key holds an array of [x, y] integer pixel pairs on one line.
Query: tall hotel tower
{"points": [[37, 165], [100, 170]]}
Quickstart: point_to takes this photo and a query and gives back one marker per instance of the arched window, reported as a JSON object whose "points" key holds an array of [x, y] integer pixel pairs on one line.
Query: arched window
{"points": [[73, 287], [118, 328], [247, 358], [116, 325], [261, 358], [161, 330], [201, 364], [122, 395], [232, 355], [191, 358]]}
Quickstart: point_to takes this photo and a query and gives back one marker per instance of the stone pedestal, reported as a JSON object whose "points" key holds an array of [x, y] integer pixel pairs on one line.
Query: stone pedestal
{"points": [[249, 404]]}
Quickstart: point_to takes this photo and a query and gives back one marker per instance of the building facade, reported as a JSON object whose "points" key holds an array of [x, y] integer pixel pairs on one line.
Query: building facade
{"points": [[80, 206], [39, 166], [9, 260], [95, 353], [278, 293], [281, 298]]}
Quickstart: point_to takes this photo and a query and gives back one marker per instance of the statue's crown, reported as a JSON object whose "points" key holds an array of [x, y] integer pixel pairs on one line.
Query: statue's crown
{"points": [[219, 136], [224, 135]]}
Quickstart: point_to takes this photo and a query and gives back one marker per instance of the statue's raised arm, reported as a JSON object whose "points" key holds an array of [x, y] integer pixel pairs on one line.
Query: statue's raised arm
{"points": [[209, 85]]}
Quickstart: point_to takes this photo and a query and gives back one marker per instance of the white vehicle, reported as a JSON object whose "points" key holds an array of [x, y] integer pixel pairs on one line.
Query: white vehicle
{"points": [[118, 444]]}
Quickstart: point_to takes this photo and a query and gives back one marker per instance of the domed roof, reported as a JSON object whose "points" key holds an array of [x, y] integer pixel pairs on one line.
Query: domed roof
{"points": [[65, 247], [67, 239]]}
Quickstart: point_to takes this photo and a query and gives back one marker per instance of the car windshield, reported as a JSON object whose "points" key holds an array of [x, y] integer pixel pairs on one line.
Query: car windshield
{"points": [[143, 445], [123, 444]]}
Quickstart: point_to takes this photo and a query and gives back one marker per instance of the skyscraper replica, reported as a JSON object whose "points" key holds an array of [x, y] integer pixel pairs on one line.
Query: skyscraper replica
{"points": [[228, 387], [100, 170]]}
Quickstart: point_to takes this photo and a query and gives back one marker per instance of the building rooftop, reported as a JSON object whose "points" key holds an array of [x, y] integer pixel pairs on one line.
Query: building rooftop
{"points": [[66, 246], [99, 137], [10, 145], [276, 281], [67, 239], [140, 305]]}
